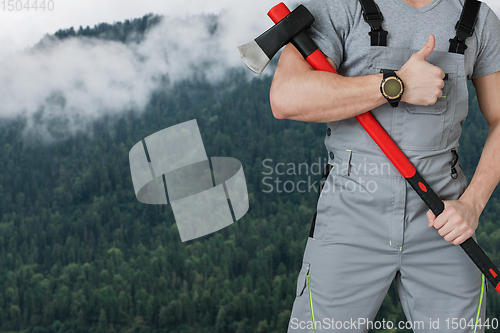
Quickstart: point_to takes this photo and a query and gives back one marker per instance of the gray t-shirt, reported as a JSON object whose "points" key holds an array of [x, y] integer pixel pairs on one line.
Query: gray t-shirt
{"points": [[342, 34]]}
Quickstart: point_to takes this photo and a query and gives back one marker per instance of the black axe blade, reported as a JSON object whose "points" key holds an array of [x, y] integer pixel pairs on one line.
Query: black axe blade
{"points": [[262, 49]]}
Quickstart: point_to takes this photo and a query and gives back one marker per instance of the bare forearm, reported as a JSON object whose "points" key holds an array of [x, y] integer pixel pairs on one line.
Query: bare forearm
{"points": [[316, 96], [487, 173]]}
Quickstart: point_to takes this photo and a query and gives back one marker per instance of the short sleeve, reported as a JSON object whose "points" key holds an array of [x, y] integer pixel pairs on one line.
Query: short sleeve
{"points": [[488, 52], [328, 36]]}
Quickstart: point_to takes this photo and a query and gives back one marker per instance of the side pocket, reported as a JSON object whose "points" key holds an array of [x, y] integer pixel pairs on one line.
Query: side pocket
{"points": [[302, 279], [323, 208], [324, 178]]}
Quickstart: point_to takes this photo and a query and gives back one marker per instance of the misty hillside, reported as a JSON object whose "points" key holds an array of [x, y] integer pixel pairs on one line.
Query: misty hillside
{"points": [[68, 80], [120, 31], [79, 253]]}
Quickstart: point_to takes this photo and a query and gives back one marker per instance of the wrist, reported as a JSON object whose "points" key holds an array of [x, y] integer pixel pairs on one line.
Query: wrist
{"points": [[472, 200], [401, 75]]}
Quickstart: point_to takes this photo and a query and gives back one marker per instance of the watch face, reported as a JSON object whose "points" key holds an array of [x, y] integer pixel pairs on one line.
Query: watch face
{"points": [[392, 88]]}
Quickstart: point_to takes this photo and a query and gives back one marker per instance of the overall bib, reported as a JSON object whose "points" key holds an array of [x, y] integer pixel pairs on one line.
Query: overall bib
{"points": [[371, 227]]}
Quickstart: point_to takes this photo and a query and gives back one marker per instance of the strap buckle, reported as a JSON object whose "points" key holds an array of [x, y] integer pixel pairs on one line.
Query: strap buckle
{"points": [[463, 31], [374, 20], [457, 46]]}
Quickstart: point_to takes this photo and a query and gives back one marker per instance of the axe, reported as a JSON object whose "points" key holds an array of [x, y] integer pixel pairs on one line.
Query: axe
{"points": [[291, 27]]}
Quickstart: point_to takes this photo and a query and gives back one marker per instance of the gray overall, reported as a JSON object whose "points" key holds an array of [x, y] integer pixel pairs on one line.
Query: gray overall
{"points": [[371, 227]]}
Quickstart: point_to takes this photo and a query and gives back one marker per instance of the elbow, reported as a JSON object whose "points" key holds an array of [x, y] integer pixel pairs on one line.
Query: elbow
{"points": [[278, 103], [278, 112]]}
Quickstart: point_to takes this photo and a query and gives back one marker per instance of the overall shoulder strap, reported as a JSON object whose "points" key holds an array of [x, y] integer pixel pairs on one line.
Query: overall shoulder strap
{"points": [[465, 26], [374, 18]]}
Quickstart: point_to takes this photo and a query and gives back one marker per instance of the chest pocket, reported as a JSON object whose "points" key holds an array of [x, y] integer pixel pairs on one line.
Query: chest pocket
{"points": [[439, 107], [428, 127], [419, 127]]}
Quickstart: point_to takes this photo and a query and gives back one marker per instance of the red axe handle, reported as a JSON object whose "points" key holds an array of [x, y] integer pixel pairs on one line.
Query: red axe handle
{"points": [[315, 57]]}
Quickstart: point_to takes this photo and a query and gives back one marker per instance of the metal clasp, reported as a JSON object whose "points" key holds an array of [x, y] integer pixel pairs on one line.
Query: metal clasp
{"points": [[454, 172]]}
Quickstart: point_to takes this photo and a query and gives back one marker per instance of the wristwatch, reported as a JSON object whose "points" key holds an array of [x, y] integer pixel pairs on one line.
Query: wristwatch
{"points": [[391, 87]]}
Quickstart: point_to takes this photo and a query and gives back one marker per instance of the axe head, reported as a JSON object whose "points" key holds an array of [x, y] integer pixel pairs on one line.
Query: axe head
{"points": [[262, 49], [253, 56]]}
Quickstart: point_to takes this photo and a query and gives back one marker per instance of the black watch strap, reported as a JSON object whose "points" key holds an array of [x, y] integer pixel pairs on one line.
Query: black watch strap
{"points": [[390, 73]]}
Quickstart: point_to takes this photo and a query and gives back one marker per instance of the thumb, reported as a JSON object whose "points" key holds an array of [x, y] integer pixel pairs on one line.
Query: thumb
{"points": [[428, 47], [431, 217]]}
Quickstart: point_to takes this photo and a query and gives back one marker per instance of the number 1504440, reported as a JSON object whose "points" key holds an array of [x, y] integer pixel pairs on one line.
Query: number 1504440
{"points": [[27, 5]]}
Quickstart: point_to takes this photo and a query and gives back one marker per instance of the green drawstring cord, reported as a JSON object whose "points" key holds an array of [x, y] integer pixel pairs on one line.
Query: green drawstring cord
{"points": [[480, 302], [310, 299]]}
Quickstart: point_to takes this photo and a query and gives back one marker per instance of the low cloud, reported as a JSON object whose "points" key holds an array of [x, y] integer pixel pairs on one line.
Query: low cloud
{"points": [[60, 86]]}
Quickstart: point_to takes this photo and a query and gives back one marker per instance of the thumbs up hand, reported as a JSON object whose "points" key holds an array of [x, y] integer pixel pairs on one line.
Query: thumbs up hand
{"points": [[423, 81], [427, 49]]}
